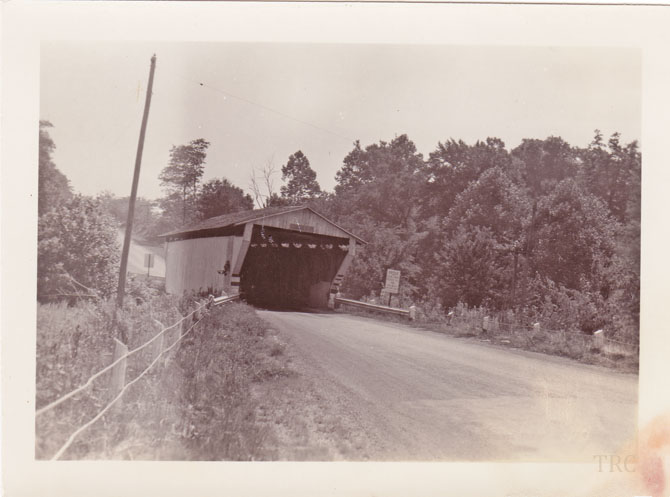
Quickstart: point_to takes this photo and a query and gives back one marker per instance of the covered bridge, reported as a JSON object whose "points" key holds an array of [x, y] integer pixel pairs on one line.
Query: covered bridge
{"points": [[277, 256]]}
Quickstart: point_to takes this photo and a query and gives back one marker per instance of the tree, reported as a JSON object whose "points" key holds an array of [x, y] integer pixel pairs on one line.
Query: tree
{"points": [[302, 185], [171, 207], [471, 269], [278, 201], [486, 227], [145, 217], [382, 182], [219, 196], [183, 173], [575, 237], [355, 172], [493, 201], [612, 172], [53, 186], [540, 165], [387, 248], [77, 251], [545, 163], [263, 185], [453, 166], [376, 196]]}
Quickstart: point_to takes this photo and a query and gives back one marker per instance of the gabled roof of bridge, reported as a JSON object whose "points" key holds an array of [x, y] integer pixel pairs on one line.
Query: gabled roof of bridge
{"points": [[244, 217]]}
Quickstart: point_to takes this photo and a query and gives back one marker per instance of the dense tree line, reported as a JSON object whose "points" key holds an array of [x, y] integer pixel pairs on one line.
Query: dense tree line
{"points": [[546, 231]]}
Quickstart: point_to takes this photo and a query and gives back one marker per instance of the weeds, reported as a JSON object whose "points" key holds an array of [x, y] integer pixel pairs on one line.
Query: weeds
{"points": [[231, 351], [507, 329], [195, 403]]}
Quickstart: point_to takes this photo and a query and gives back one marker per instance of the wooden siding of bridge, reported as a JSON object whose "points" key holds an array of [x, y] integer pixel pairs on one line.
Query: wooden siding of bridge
{"points": [[194, 264], [303, 220]]}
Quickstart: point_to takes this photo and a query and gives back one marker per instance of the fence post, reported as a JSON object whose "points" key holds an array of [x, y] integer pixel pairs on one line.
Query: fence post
{"points": [[599, 339], [485, 325], [187, 323], [412, 312], [158, 348], [119, 371]]}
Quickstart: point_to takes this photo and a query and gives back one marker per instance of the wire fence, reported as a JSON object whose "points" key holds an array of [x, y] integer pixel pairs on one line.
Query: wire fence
{"points": [[190, 320], [95, 376], [74, 435]]}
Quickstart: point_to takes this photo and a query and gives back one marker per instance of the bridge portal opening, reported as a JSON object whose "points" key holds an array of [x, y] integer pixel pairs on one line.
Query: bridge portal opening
{"points": [[290, 269]]}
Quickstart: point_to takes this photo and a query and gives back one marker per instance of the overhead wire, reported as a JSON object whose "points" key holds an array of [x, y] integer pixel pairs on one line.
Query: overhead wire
{"points": [[269, 109]]}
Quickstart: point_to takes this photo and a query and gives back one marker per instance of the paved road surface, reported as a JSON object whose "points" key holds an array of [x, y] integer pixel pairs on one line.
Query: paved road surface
{"points": [[399, 393]]}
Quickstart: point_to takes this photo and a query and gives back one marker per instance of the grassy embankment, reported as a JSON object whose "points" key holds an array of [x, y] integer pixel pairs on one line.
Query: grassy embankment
{"points": [[196, 403]]}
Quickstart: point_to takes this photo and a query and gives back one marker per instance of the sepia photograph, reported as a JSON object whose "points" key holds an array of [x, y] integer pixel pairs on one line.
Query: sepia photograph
{"points": [[337, 252], [365, 251]]}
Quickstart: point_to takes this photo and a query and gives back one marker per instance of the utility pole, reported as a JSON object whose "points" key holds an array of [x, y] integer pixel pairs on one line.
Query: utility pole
{"points": [[133, 192]]}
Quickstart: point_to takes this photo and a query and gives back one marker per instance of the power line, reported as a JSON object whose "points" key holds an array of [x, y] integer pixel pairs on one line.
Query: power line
{"points": [[270, 109]]}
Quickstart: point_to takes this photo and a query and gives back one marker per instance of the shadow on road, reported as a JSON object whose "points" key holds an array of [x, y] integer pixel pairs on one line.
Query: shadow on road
{"points": [[292, 308]]}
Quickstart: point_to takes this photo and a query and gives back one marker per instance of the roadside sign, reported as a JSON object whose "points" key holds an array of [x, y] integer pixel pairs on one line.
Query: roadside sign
{"points": [[148, 260], [148, 263], [392, 281]]}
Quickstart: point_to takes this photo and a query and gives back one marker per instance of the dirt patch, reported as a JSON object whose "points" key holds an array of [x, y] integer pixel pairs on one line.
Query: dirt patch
{"points": [[309, 420]]}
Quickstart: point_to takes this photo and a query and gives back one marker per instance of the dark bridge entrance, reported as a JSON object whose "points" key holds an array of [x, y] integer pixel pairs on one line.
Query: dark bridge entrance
{"points": [[290, 269], [274, 257]]}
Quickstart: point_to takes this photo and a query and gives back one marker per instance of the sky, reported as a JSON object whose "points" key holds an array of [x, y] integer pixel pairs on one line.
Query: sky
{"points": [[257, 103]]}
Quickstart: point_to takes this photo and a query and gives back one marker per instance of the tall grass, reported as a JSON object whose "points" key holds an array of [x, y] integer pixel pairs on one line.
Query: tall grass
{"points": [[219, 365], [193, 404]]}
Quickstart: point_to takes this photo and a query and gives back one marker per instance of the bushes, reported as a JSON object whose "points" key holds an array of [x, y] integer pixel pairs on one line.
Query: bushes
{"points": [[472, 269], [559, 316], [77, 252]]}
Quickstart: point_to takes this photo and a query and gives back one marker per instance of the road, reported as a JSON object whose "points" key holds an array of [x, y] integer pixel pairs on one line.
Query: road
{"points": [[385, 391]]}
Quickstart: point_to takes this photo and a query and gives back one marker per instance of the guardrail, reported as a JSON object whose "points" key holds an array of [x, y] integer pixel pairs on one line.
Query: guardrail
{"points": [[224, 299], [411, 313]]}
